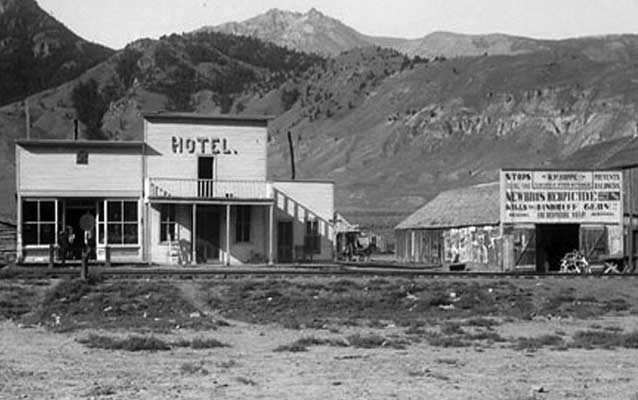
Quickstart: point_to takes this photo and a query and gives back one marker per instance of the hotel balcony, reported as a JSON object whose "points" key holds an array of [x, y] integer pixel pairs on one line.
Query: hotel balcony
{"points": [[208, 189]]}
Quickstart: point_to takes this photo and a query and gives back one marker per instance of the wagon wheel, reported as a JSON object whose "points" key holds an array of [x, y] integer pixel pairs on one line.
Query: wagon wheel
{"points": [[575, 263], [611, 268]]}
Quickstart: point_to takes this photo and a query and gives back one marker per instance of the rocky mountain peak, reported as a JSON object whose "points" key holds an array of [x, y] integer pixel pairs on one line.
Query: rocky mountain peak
{"points": [[314, 13]]}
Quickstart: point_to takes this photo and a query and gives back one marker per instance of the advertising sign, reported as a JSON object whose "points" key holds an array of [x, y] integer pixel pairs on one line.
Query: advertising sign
{"points": [[579, 197]]}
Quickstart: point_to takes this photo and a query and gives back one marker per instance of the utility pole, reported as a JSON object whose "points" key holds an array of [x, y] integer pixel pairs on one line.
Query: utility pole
{"points": [[292, 155], [27, 116]]}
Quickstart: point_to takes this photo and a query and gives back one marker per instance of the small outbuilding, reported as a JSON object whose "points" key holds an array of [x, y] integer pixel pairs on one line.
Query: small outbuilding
{"points": [[457, 226]]}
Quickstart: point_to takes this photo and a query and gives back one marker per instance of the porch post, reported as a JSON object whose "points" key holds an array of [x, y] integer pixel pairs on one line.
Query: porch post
{"points": [[55, 237], [228, 234], [194, 233], [19, 229], [271, 217]]}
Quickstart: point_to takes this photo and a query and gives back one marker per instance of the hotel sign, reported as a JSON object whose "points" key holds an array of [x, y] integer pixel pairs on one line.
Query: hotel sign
{"points": [[529, 196], [201, 145]]}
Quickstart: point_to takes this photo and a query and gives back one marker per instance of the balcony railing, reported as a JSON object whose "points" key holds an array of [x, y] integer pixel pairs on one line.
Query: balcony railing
{"points": [[208, 188]]}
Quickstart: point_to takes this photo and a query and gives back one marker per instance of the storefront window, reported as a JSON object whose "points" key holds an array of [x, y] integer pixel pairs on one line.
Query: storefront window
{"points": [[167, 222], [38, 226], [122, 222]]}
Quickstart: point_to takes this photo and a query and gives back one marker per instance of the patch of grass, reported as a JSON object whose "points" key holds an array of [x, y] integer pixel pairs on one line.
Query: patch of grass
{"points": [[481, 322], [190, 368], [152, 343], [613, 328], [447, 341], [15, 301], [447, 361], [592, 339], [77, 304], [131, 343], [99, 390], [373, 341], [246, 381], [201, 343], [293, 348], [485, 335], [302, 344], [535, 343], [416, 330], [452, 328], [227, 364]]}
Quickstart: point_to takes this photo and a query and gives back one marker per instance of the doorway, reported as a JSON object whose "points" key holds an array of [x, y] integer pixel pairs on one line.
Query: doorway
{"points": [[284, 241], [207, 229], [552, 242], [74, 210], [205, 176]]}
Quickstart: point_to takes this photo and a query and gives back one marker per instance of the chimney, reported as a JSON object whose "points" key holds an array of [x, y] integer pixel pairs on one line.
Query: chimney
{"points": [[75, 129]]}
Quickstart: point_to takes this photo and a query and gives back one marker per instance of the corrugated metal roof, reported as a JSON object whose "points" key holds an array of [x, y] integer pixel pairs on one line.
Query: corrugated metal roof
{"points": [[469, 206]]}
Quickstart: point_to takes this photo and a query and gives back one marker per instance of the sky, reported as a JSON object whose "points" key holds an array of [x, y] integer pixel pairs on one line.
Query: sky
{"points": [[115, 23]]}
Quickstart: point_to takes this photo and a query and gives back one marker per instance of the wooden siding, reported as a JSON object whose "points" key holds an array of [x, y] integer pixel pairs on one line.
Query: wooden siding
{"points": [[53, 171], [424, 246], [247, 145], [478, 247], [7, 241]]}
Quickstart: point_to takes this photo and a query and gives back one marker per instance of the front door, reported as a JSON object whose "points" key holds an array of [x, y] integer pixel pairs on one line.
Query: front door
{"points": [[207, 235], [205, 175], [284, 241], [72, 241]]}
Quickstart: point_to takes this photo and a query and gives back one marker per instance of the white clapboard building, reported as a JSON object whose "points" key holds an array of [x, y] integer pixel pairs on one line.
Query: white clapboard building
{"points": [[194, 191]]}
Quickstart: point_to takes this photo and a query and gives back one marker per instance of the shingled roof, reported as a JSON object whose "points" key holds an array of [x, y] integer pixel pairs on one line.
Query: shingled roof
{"points": [[470, 206]]}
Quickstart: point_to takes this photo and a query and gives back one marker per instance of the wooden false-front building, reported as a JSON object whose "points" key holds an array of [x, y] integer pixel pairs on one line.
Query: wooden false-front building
{"points": [[194, 191]]}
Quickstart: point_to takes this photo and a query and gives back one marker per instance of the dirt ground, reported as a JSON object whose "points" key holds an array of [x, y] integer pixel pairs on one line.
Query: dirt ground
{"points": [[39, 362]]}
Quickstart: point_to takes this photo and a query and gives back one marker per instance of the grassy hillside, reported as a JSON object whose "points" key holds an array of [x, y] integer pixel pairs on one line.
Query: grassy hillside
{"points": [[450, 123], [38, 52]]}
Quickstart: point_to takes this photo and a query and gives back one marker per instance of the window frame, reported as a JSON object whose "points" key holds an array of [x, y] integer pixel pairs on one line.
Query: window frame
{"points": [[38, 222], [122, 223], [82, 157], [170, 221], [312, 239]]}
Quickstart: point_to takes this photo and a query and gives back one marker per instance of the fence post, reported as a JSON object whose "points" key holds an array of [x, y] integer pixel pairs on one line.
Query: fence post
{"points": [[51, 256], [84, 272], [107, 256]]}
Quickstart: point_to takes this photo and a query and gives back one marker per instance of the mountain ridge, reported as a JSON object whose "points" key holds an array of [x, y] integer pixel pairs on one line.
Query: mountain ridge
{"points": [[314, 31]]}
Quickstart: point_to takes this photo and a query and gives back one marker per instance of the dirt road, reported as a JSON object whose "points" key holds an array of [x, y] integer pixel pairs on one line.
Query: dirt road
{"points": [[39, 364]]}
